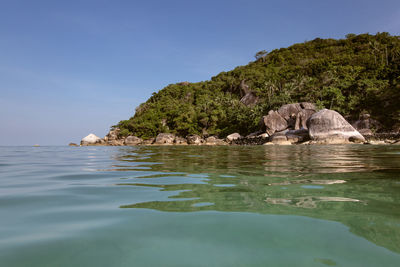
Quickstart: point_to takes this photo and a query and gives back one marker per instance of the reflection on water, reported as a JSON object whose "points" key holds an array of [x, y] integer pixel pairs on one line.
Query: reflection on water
{"points": [[355, 185], [200, 206]]}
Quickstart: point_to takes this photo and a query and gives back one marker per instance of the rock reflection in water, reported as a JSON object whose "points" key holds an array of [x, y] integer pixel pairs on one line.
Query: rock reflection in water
{"points": [[360, 183], [310, 182], [307, 202]]}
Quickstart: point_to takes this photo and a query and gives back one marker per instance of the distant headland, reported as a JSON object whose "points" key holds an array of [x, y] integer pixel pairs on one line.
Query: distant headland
{"points": [[324, 91]]}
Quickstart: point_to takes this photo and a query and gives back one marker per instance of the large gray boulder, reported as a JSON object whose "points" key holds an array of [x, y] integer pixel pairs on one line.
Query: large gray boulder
{"points": [[289, 110], [290, 116], [91, 139], [302, 118], [194, 139], [164, 139], [133, 141], [328, 126], [273, 122]]}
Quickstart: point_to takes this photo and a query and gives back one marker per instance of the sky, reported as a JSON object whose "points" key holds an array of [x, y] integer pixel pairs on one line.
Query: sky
{"points": [[70, 68]]}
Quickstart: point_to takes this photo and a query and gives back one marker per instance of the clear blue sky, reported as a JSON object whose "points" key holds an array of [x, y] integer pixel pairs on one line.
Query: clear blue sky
{"points": [[69, 68]]}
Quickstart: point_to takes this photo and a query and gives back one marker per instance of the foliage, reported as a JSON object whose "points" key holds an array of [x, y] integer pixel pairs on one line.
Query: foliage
{"points": [[359, 73]]}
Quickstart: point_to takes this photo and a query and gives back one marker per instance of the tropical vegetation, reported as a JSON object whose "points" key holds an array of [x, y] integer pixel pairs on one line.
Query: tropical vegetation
{"points": [[358, 74]]}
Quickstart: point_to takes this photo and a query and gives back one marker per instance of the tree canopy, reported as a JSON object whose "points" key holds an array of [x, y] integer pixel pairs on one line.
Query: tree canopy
{"points": [[360, 73]]}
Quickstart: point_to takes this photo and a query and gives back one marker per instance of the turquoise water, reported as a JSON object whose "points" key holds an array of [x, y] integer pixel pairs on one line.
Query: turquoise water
{"points": [[200, 206]]}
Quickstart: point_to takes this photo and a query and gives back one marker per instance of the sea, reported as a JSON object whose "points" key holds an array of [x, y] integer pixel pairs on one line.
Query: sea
{"points": [[301, 205]]}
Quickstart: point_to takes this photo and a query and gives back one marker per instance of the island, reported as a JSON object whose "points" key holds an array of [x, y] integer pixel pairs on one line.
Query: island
{"points": [[324, 91]]}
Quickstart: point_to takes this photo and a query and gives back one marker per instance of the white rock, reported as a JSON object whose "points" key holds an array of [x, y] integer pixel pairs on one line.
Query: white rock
{"points": [[233, 136], [90, 139], [263, 135]]}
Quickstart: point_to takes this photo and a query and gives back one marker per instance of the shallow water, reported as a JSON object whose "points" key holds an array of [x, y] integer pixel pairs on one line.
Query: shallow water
{"points": [[200, 206]]}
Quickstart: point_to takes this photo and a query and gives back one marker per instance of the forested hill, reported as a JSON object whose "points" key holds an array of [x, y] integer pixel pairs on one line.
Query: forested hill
{"points": [[358, 74]]}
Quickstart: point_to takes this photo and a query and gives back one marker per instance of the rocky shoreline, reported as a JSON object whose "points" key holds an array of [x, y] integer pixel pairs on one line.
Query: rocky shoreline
{"points": [[297, 123]]}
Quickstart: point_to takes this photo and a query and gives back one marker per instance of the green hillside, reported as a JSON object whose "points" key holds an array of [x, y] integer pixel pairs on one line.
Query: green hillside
{"points": [[358, 74]]}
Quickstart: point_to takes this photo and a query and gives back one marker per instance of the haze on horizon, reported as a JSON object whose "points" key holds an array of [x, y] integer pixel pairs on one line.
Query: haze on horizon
{"points": [[72, 68]]}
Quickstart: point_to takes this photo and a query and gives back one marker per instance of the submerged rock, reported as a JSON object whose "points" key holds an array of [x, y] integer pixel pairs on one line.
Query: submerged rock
{"points": [[328, 126], [72, 144]]}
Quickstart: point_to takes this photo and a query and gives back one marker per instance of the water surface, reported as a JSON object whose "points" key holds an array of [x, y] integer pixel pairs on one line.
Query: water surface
{"points": [[200, 206]]}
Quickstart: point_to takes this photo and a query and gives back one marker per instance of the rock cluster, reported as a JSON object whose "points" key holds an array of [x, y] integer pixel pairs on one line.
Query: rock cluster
{"points": [[300, 123], [274, 122], [290, 116], [296, 123], [114, 139], [288, 124]]}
